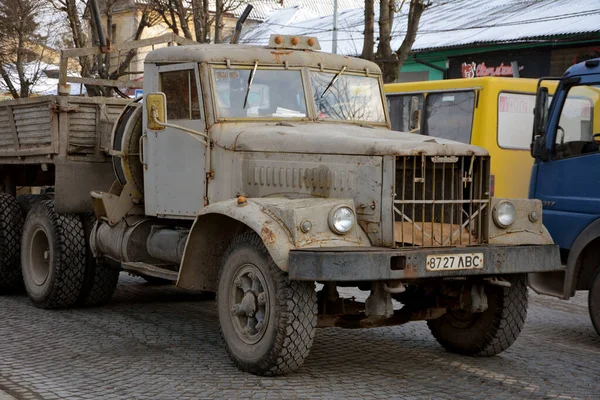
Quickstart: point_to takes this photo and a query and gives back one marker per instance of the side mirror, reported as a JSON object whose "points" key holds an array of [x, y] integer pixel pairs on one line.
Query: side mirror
{"points": [[415, 115], [156, 107], [540, 117], [540, 112]]}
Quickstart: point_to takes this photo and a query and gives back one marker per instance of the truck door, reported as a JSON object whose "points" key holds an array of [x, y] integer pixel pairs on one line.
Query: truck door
{"points": [[175, 178], [568, 183]]}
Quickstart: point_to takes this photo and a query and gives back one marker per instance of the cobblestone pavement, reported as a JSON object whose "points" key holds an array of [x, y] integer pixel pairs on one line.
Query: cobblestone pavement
{"points": [[154, 342]]}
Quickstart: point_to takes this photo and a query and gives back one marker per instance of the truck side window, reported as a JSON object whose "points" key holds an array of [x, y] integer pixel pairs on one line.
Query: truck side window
{"points": [[401, 108], [449, 115], [575, 130], [182, 94]]}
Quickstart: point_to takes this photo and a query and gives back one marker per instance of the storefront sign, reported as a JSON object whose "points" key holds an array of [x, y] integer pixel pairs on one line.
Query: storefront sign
{"points": [[533, 63], [473, 70]]}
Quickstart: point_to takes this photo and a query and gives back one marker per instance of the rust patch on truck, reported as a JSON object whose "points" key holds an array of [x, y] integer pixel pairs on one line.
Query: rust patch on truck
{"points": [[267, 234], [278, 54]]}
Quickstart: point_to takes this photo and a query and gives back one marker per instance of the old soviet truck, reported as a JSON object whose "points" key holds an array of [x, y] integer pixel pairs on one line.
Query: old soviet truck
{"points": [[256, 172]]}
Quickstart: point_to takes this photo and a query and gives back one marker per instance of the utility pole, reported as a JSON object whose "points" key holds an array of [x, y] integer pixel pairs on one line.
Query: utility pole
{"points": [[335, 27]]}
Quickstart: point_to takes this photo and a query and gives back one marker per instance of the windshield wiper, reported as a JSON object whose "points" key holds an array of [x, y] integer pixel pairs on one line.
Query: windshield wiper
{"points": [[335, 78], [250, 79]]}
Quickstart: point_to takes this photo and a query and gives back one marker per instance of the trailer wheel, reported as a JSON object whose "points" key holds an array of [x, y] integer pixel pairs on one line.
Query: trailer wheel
{"points": [[53, 256], [594, 301], [268, 322], [26, 201], [100, 280], [490, 332], [11, 224]]}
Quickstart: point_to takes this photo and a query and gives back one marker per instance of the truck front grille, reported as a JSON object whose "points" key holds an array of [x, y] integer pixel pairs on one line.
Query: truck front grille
{"points": [[441, 200]]}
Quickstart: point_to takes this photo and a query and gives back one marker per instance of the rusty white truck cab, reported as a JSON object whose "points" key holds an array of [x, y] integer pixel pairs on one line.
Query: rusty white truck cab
{"points": [[256, 172]]}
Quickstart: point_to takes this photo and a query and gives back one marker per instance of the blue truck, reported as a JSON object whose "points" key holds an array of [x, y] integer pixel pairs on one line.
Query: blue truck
{"points": [[566, 178]]}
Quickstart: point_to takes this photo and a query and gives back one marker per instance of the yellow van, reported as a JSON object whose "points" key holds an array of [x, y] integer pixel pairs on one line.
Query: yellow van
{"points": [[491, 112]]}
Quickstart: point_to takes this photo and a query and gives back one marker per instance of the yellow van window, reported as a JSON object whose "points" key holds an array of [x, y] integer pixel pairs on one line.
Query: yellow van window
{"points": [[449, 115], [402, 109], [515, 120]]}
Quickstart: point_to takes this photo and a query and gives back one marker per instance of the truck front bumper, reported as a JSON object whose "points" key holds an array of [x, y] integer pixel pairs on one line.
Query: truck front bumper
{"points": [[376, 263]]}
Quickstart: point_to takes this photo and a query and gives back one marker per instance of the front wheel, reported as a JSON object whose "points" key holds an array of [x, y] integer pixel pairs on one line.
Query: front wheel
{"points": [[594, 301], [490, 332], [268, 322]]}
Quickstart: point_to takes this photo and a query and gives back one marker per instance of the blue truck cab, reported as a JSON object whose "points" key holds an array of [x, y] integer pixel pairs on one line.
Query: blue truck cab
{"points": [[566, 178]]}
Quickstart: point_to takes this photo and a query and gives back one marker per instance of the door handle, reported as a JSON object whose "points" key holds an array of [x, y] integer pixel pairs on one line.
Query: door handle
{"points": [[141, 150]]}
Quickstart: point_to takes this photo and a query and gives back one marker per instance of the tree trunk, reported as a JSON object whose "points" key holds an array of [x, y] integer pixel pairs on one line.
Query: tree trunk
{"points": [[11, 88], [205, 22], [384, 48], [414, 16], [183, 19], [218, 20], [197, 17], [369, 40], [391, 63]]}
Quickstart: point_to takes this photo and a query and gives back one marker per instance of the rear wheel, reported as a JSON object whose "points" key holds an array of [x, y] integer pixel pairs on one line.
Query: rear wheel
{"points": [[53, 256], [594, 301], [268, 322], [11, 224], [489, 332], [26, 201]]}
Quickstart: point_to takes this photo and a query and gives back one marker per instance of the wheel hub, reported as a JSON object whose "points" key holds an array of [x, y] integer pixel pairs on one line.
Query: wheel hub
{"points": [[39, 257], [249, 305]]}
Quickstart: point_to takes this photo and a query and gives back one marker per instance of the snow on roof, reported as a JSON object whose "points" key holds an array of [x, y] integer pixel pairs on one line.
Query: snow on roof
{"points": [[450, 24], [264, 8]]}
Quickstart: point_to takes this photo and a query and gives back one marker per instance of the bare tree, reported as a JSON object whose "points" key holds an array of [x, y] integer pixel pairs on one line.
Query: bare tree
{"points": [[99, 66], [176, 14], [21, 46], [392, 61], [369, 40]]}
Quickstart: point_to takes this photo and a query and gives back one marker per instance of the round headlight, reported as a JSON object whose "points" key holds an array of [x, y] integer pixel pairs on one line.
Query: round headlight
{"points": [[341, 219], [504, 214]]}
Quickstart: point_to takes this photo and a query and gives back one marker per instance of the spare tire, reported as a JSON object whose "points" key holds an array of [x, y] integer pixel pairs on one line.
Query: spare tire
{"points": [[125, 147]]}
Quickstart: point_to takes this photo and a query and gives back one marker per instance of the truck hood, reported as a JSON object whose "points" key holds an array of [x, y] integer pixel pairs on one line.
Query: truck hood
{"points": [[331, 138]]}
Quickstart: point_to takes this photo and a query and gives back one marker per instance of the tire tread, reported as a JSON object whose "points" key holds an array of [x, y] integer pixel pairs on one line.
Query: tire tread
{"points": [[297, 307], [508, 321], [11, 226]]}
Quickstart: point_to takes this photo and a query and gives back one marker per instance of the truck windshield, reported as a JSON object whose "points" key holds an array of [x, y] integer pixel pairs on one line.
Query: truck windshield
{"points": [[350, 97], [273, 93]]}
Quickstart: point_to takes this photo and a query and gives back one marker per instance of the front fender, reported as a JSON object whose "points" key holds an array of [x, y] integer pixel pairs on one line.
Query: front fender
{"points": [[275, 220]]}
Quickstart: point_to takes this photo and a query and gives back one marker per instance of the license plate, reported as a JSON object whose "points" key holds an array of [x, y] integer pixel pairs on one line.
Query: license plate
{"points": [[454, 262]]}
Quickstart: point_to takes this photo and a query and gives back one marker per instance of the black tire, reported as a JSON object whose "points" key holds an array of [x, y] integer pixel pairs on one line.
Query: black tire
{"points": [[53, 256], [11, 225], [490, 332], [289, 310], [594, 301], [26, 201], [100, 280]]}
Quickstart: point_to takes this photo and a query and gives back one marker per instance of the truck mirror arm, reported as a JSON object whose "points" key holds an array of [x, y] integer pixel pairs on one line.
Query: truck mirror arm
{"points": [[538, 148], [199, 136]]}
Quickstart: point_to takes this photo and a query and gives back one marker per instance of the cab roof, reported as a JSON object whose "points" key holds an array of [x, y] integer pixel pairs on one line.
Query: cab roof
{"points": [[587, 67], [245, 54]]}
